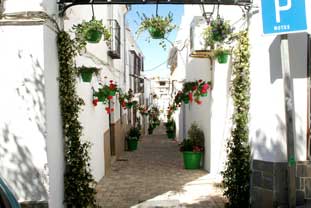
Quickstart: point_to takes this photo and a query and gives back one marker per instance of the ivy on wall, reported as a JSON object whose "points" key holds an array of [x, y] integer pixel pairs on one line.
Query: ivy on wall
{"points": [[236, 176], [79, 183]]}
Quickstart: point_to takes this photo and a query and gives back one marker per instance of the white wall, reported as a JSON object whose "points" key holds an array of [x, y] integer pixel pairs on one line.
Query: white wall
{"points": [[267, 113], [95, 120], [23, 159], [55, 142]]}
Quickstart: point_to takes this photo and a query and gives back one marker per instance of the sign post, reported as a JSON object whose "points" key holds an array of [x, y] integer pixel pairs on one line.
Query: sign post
{"points": [[283, 17]]}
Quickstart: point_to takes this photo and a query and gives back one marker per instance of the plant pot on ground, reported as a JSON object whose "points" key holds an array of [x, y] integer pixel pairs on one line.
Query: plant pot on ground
{"points": [[193, 147], [86, 73], [132, 138]]}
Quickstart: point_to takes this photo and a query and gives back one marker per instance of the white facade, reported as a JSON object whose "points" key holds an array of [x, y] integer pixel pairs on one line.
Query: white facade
{"points": [[267, 114], [31, 151]]}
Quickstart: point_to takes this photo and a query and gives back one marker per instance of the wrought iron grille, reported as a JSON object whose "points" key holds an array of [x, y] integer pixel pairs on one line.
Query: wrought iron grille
{"points": [[65, 4], [115, 41]]}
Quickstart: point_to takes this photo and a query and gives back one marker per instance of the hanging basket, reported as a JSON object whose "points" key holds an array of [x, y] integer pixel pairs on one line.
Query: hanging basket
{"points": [[86, 75], [186, 100], [156, 33], [93, 36], [223, 57], [129, 105]]}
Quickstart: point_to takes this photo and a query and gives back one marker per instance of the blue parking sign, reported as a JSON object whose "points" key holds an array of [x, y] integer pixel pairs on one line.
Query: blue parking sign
{"points": [[283, 16]]}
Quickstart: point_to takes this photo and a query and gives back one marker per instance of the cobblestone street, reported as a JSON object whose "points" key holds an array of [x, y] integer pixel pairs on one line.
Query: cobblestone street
{"points": [[153, 176]]}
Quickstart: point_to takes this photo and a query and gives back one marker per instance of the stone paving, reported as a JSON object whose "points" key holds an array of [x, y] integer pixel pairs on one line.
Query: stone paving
{"points": [[153, 177]]}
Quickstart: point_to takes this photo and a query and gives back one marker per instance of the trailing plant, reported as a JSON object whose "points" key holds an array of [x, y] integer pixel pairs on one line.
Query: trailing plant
{"points": [[157, 26], [170, 126], [217, 32], [90, 31], [126, 100], [236, 176], [79, 182], [105, 95], [192, 91]]}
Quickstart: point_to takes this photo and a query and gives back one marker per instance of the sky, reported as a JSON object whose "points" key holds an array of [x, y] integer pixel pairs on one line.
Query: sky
{"points": [[153, 53]]}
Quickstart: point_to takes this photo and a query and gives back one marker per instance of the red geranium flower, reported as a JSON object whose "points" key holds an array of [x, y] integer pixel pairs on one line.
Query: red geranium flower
{"points": [[198, 102], [205, 86], [95, 101], [109, 97], [194, 87], [190, 97], [108, 110], [200, 80]]}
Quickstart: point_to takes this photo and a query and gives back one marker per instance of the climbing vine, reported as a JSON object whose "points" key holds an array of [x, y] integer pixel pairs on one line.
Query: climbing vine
{"points": [[79, 182], [236, 175]]}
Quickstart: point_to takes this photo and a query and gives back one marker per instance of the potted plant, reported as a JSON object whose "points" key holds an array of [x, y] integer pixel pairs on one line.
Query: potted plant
{"points": [[221, 54], [170, 128], [157, 26], [132, 138], [87, 72], [218, 30], [105, 94], [193, 147], [90, 31]]}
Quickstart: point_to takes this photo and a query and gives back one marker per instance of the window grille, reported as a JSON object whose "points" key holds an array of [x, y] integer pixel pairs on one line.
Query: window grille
{"points": [[115, 41]]}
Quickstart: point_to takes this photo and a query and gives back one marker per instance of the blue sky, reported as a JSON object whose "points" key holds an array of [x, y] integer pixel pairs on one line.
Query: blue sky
{"points": [[154, 54]]}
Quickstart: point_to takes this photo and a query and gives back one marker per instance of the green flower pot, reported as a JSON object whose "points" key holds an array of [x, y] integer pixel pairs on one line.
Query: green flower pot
{"points": [[129, 105], [132, 144], [86, 75], [155, 33], [171, 135], [186, 101], [204, 95], [93, 36], [223, 58], [192, 160], [112, 93], [100, 96]]}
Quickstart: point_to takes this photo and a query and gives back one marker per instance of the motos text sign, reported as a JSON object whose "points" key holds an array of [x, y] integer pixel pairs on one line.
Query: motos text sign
{"points": [[283, 16]]}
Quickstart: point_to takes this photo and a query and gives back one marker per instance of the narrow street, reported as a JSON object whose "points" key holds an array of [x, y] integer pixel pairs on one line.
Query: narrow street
{"points": [[153, 176]]}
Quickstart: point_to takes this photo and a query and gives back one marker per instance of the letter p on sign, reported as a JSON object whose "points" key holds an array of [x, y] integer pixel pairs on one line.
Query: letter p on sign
{"points": [[279, 8], [283, 16]]}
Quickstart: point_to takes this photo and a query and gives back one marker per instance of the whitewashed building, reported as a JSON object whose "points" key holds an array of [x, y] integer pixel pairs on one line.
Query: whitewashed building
{"points": [[267, 109], [31, 140]]}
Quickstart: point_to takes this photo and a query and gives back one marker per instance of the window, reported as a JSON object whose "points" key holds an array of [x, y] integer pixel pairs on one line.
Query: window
{"points": [[115, 42], [162, 83]]}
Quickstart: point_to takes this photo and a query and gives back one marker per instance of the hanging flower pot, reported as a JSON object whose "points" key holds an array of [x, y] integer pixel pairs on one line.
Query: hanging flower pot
{"points": [[223, 58], [129, 105], [157, 26], [93, 36], [86, 76], [156, 33], [91, 32], [87, 72], [186, 100]]}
